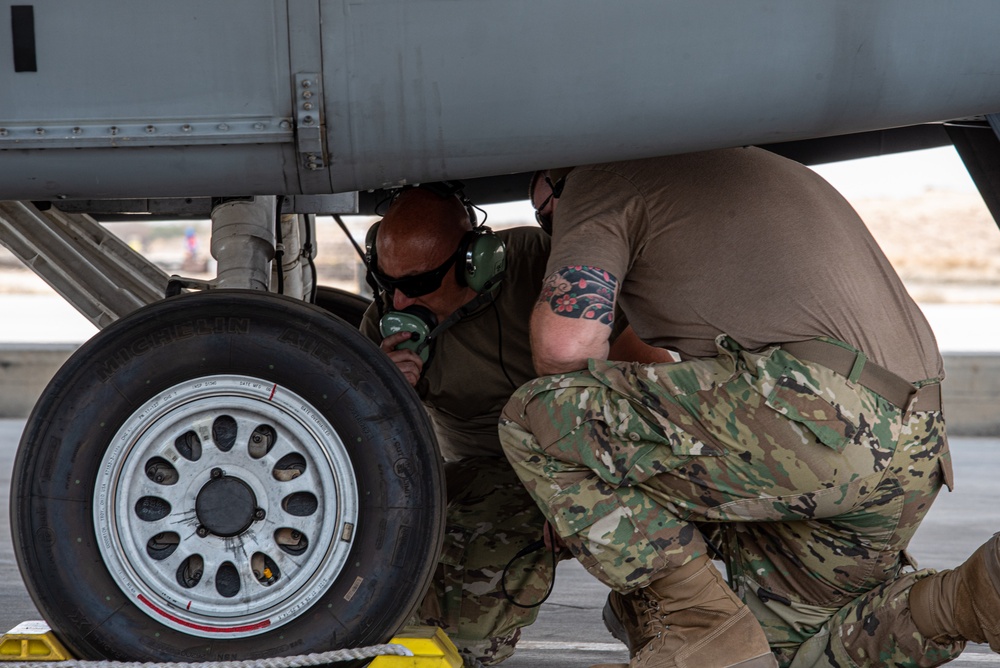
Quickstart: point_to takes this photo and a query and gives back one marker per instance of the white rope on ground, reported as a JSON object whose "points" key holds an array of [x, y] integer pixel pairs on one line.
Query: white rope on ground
{"points": [[334, 656]]}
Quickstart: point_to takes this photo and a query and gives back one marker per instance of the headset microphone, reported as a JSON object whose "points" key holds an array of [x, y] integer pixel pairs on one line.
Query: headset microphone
{"points": [[417, 320]]}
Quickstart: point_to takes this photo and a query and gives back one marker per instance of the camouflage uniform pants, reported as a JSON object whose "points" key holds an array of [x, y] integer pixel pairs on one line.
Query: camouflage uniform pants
{"points": [[813, 484], [490, 518]]}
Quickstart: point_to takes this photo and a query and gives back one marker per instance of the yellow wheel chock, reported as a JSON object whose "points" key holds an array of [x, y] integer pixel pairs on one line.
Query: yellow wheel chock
{"points": [[34, 641], [430, 646]]}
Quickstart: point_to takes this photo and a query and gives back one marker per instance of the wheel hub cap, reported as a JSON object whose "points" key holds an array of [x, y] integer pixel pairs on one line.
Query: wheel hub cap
{"points": [[225, 506]]}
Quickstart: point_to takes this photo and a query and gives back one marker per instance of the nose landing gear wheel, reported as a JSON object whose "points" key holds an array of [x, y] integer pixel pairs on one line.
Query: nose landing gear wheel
{"points": [[226, 475]]}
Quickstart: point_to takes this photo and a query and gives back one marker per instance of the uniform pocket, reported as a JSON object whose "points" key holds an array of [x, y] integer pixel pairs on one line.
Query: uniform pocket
{"points": [[833, 423], [644, 412]]}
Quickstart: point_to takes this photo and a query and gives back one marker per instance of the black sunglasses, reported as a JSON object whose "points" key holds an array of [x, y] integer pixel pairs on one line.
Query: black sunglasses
{"points": [[417, 285]]}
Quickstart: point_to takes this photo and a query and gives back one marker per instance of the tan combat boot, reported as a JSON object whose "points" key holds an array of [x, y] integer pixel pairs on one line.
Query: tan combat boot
{"points": [[964, 603], [690, 618], [625, 617]]}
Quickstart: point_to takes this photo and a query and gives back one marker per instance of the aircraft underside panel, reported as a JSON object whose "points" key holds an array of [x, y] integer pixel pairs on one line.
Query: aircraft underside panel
{"points": [[187, 98]]}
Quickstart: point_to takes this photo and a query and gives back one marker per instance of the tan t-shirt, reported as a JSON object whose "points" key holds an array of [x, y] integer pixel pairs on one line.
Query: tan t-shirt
{"points": [[742, 242], [464, 388]]}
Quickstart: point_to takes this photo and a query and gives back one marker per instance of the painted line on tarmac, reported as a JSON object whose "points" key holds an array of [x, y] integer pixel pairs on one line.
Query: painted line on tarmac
{"points": [[549, 645], [965, 658]]}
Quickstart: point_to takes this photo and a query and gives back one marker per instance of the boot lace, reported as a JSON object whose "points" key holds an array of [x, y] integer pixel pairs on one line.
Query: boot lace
{"points": [[649, 613]]}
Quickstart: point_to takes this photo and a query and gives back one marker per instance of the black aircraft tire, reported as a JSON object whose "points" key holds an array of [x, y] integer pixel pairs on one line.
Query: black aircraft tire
{"points": [[101, 469], [347, 305]]}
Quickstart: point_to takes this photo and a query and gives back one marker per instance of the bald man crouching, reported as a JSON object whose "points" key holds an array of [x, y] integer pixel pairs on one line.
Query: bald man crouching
{"points": [[420, 255], [419, 249]]}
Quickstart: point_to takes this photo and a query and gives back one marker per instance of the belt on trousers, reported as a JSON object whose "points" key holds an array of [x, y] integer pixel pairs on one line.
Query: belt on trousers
{"points": [[858, 368]]}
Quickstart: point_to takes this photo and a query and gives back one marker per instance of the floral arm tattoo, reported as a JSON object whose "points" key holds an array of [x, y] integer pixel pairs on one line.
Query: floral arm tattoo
{"points": [[581, 292]]}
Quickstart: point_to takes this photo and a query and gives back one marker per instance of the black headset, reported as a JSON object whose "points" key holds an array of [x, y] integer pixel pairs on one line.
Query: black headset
{"points": [[481, 253]]}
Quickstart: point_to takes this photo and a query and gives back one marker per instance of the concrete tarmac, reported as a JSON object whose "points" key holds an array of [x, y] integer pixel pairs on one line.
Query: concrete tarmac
{"points": [[569, 632]]}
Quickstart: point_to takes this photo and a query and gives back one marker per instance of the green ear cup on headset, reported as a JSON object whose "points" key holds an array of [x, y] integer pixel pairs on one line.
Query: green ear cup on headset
{"points": [[370, 243], [482, 260]]}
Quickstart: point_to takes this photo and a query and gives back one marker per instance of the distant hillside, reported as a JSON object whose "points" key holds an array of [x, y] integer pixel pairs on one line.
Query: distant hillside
{"points": [[945, 245]]}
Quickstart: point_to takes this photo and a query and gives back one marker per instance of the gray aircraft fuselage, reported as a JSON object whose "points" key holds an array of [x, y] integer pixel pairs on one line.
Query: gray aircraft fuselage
{"points": [[113, 99]]}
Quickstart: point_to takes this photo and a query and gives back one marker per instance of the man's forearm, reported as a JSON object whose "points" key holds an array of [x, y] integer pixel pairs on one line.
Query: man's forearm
{"points": [[572, 319], [561, 345]]}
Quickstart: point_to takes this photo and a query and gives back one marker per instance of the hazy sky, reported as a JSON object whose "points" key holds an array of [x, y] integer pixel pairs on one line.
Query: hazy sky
{"points": [[899, 175]]}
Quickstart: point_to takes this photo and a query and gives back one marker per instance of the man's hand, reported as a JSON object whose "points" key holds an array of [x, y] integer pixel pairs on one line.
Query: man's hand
{"points": [[407, 361], [628, 347]]}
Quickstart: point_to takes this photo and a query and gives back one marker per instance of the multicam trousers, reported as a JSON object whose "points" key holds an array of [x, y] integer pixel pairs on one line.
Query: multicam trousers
{"points": [[490, 519], [812, 487]]}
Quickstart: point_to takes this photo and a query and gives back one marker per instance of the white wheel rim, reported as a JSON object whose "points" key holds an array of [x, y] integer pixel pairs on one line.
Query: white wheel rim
{"points": [[228, 600]]}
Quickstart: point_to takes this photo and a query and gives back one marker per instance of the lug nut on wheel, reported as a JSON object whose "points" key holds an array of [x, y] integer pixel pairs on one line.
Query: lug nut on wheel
{"points": [[201, 531]]}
